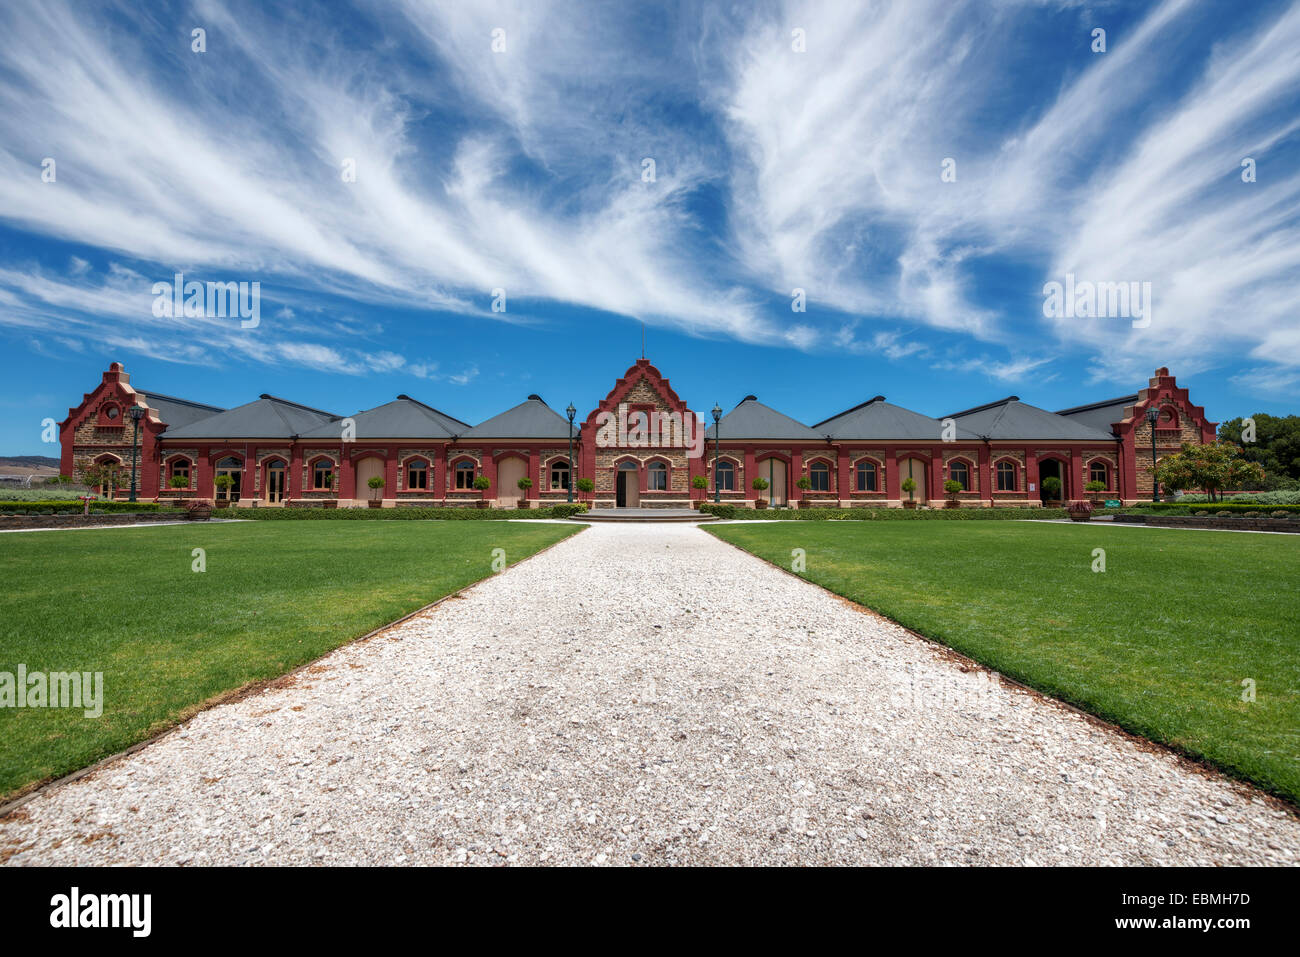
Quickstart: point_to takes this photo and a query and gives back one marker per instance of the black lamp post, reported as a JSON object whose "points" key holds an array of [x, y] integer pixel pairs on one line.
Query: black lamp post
{"points": [[1153, 416], [571, 411], [137, 413], [717, 488]]}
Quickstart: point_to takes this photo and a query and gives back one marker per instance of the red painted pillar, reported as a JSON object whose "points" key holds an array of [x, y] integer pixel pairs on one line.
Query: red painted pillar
{"points": [[390, 473], [438, 473], [751, 471], [295, 471], [892, 479], [985, 477], [347, 474], [1075, 489], [935, 489], [490, 470], [1031, 477], [843, 476], [792, 490], [535, 473]]}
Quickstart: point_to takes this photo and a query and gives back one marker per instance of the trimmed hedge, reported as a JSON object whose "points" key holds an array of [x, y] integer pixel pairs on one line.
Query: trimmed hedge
{"points": [[1236, 508], [62, 507], [880, 514], [405, 513]]}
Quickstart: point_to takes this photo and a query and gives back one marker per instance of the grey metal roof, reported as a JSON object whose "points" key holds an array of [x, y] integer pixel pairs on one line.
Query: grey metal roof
{"points": [[403, 418], [530, 419], [754, 420], [178, 412], [1101, 415], [1010, 418], [878, 419], [264, 418]]}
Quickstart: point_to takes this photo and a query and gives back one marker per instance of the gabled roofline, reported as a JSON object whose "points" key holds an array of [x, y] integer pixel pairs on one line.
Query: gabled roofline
{"points": [[840, 415], [425, 405], [981, 408], [296, 405], [1125, 400], [171, 398]]}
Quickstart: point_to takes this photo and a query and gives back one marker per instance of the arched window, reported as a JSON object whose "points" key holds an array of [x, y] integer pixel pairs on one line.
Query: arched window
{"points": [[560, 475], [866, 477], [725, 480], [1098, 472], [819, 474], [1006, 477], [960, 472], [230, 462], [322, 475], [417, 475], [464, 475], [657, 477], [180, 469]]}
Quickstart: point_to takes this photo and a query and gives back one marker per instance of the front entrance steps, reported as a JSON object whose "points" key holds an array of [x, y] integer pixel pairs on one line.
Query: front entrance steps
{"points": [[643, 515]]}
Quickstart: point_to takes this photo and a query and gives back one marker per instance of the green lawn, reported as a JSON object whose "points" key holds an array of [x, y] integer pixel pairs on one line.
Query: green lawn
{"points": [[127, 603], [1159, 643]]}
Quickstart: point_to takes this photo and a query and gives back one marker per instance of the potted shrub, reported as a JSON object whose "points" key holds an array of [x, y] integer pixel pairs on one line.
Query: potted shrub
{"points": [[804, 484], [1052, 491], [1095, 488], [701, 483], [760, 485], [199, 510], [375, 483], [482, 484], [179, 482], [909, 486], [586, 486], [952, 488], [223, 484], [1079, 510], [524, 484]]}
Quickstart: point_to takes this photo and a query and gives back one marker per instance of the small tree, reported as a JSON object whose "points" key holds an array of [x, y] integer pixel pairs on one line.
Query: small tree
{"points": [[1052, 486], [699, 482], [804, 483], [482, 484], [525, 484], [102, 475], [909, 486], [1095, 487], [586, 486], [953, 489], [760, 484], [375, 483], [223, 484], [1211, 468], [179, 481]]}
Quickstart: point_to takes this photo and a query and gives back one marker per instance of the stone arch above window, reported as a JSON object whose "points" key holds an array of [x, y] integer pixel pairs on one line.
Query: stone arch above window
{"points": [[960, 470]]}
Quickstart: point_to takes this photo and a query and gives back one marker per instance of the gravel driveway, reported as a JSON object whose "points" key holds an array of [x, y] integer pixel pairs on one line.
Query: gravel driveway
{"points": [[646, 694]]}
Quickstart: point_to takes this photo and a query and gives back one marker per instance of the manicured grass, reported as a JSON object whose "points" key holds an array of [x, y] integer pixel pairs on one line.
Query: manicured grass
{"points": [[1159, 643], [275, 595]]}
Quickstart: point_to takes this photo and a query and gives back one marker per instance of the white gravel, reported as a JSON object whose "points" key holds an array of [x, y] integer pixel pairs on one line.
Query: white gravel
{"points": [[645, 693]]}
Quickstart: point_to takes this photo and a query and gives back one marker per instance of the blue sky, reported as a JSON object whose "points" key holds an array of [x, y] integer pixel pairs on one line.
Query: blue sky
{"points": [[523, 169]]}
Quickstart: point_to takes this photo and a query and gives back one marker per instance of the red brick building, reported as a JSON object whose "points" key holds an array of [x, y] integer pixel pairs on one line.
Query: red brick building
{"points": [[642, 446]]}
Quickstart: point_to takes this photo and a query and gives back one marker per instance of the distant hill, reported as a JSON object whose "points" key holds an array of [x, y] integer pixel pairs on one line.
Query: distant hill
{"points": [[29, 461], [22, 466]]}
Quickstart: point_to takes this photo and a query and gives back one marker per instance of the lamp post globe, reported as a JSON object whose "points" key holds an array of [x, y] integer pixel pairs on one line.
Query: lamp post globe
{"points": [[137, 413], [570, 412], [1153, 416]]}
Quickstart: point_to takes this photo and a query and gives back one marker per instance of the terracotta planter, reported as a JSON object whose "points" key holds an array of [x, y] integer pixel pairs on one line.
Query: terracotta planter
{"points": [[695, 504], [1052, 503], [375, 503], [331, 503], [523, 503], [481, 504], [223, 504], [804, 503], [909, 504], [1081, 515], [198, 513], [760, 503], [952, 503]]}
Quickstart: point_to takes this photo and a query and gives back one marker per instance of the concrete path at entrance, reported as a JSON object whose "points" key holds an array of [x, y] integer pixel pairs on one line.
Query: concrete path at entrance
{"points": [[647, 694]]}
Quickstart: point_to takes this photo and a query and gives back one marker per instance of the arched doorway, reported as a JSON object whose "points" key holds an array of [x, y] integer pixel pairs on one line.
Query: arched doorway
{"points": [[772, 469], [509, 471], [627, 491], [274, 485], [1052, 468], [914, 469], [112, 475], [232, 466], [370, 467]]}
